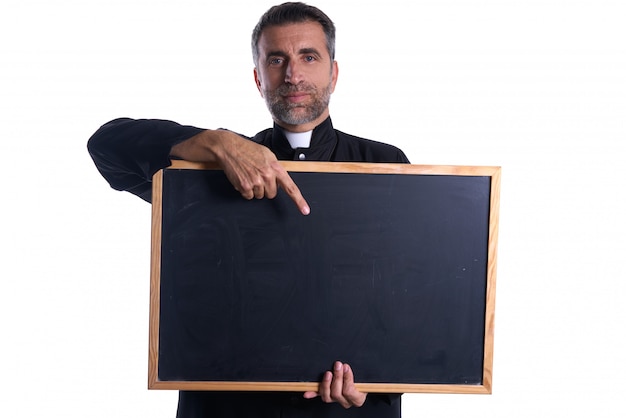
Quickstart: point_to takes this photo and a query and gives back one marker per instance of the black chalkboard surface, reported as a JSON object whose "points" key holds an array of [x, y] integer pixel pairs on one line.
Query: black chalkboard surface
{"points": [[391, 272]]}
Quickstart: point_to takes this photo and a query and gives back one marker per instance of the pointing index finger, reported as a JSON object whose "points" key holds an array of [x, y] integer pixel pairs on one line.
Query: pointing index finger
{"points": [[285, 181]]}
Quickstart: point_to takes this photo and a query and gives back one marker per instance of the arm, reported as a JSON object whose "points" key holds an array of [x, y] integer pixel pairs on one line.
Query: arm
{"points": [[251, 168], [128, 152]]}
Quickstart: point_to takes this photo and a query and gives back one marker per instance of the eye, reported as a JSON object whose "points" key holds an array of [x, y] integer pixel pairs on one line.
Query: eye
{"points": [[275, 61], [309, 58]]}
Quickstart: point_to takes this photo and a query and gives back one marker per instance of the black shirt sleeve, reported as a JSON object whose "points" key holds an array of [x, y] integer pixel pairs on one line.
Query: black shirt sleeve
{"points": [[128, 152]]}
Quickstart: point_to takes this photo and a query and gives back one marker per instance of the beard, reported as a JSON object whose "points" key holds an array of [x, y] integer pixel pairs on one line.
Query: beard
{"points": [[297, 113]]}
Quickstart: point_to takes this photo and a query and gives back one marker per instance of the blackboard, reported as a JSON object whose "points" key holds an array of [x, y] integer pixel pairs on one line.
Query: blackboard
{"points": [[393, 272]]}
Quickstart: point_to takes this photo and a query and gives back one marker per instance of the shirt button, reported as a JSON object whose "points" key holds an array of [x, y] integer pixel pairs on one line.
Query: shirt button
{"points": [[302, 157]]}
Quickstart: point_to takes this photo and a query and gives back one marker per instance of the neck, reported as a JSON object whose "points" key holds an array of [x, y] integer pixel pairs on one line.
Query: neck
{"points": [[309, 126]]}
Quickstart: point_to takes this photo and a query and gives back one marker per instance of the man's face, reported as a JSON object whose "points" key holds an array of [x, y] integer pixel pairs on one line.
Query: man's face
{"points": [[295, 74]]}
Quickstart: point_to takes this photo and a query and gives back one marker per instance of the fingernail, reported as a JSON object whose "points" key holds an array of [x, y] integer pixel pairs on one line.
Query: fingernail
{"points": [[338, 365]]}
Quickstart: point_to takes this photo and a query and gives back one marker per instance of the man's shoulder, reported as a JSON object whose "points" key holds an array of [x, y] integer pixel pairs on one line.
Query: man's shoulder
{"points": [[262, 137], [352, 147], [363, 141]]}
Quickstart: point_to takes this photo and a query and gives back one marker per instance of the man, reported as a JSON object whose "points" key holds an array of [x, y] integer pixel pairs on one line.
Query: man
{"points": [[295, 72]]}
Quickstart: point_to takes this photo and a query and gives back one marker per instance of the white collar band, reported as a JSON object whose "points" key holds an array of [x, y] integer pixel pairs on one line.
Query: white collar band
{"points": [[299, 139]]}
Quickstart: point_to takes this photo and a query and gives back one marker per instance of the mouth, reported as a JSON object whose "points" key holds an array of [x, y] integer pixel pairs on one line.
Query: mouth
{"points": [[298, 97]]}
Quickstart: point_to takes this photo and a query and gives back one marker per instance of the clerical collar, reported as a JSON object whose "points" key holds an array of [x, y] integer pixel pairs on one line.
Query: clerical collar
{"points": [[298, 139], [323, 142]]}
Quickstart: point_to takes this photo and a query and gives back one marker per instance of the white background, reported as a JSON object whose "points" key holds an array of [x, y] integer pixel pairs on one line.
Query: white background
{"points": [[537, 87]]}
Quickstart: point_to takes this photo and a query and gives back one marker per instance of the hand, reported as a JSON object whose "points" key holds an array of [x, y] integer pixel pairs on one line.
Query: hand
{"points": [[251, 168], [338, 386]]}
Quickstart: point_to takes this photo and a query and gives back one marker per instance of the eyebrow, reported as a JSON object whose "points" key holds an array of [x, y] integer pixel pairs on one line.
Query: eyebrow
{"points": [[309, 51], [302, 51]]}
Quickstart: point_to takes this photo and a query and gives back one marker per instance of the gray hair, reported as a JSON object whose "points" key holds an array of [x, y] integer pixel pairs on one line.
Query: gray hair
{"points": [[293, 12]]}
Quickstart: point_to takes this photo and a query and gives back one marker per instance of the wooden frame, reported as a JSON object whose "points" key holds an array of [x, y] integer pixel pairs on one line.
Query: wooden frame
{"points": [[484, 387]]}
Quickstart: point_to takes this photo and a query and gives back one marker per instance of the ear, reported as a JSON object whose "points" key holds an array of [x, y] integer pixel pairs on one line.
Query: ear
{"points": [[257, 81], [334, 75]]}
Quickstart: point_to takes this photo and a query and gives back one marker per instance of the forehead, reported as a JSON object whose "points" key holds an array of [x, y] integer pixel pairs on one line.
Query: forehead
{"points": [[292, 37]]}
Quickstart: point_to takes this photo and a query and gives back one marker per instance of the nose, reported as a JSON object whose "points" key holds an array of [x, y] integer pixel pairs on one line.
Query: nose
{"points": [[293, 72]]}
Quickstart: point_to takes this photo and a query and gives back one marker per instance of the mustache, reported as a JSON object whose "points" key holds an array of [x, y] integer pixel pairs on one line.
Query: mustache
{"points": [[295, 88]]}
